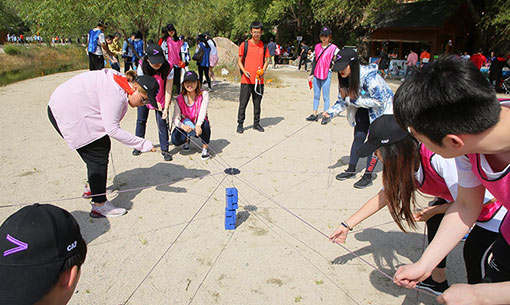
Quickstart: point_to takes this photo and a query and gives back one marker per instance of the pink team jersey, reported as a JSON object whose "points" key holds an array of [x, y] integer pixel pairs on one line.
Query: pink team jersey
{"points": [[322, 66], [187, 111], [433, 184]]}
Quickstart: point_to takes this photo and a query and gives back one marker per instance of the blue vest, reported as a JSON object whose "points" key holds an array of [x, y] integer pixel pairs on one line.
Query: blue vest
{"points": [[93, 38]]}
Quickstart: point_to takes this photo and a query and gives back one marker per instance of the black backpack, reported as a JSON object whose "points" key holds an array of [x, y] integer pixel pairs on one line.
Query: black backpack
{"points": [[246, 52]]}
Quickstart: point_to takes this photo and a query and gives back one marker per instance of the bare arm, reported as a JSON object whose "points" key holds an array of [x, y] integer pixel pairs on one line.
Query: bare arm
{"points": [[481, 294], [372, 206], [456, 222]]}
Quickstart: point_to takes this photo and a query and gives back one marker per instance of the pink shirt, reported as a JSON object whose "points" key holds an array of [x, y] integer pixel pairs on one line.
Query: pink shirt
{"points": [[433, 184], [174, 49], [412, 59], [91, 105], [322, 66]]}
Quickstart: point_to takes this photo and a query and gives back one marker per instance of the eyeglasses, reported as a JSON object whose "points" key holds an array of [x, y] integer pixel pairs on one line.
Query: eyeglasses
{"points": [[145, 101]]}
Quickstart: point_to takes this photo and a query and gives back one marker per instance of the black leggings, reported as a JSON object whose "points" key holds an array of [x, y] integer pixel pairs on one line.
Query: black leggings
{"points": [[478, 241], [360, 134], [432, 226], [95, 156], [201, 71]]}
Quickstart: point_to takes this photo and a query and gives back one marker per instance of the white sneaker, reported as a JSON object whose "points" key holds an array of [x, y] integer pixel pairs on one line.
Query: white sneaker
{"points": [[106, 210], [205, 154]]}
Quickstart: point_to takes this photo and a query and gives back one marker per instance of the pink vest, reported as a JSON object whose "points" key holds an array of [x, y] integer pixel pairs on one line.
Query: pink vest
{"points": [[174, 49], [322, 66], [500, 188], [187, 111], [433, 184], [160, 97]]}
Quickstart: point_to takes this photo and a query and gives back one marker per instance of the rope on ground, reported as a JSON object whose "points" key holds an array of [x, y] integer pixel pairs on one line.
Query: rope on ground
{"points": [[173, 242], [255, 188], [276, 144]]}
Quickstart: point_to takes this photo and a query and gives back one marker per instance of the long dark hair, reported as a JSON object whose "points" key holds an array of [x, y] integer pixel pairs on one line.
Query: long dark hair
{"points": [[400, 162], [351, 83], [148, 70]]}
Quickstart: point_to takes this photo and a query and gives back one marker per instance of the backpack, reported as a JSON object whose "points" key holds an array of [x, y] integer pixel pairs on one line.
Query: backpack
{"points": [[246, 52], [93, 38]]}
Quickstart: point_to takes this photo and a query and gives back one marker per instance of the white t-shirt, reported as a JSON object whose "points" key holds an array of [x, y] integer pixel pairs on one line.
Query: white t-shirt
{"points": [[446, 169], [139, 72], [214, 51]]}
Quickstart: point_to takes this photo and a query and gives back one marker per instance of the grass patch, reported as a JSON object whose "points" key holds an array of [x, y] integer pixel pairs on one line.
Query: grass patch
{"points": [[24, 62]]}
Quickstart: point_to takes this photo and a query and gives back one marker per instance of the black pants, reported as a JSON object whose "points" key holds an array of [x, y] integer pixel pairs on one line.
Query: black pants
{"points": [[360, 134], [201, 71], [95, 156], [302, 60], [96, 62], [432, 226], [497, 263], [127, 64], [244, 98], [177, 78], [477, 243]]}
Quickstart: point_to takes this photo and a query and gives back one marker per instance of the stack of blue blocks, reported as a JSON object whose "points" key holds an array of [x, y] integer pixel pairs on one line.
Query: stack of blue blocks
{"points": [[230, 210]]}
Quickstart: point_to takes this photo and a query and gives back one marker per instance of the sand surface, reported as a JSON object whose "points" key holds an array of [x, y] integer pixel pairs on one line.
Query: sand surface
{"points": [[155, 255]]}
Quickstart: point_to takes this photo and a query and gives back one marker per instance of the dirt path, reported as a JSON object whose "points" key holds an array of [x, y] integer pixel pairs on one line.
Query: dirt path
{"points": [[271, 258]]}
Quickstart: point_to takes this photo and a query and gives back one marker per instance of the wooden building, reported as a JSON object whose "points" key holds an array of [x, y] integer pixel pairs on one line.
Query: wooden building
{"points": [[440, 26]]}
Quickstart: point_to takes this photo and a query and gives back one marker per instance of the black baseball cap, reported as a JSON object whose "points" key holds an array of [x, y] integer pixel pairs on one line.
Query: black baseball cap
{"points": [[325, 31], [151, 86], [190, 76], [383, 131], [34, 244], [344, 57], [155, 54]]}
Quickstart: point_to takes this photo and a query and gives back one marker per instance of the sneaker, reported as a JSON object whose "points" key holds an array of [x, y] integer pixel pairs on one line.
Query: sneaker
{"points": [[257, 127], [185, 147], [166, 155], [240, 128], [345, 175], [86, 192], [365, 181], [313, 117], [106, 210], [136, 152], [325, 120], [205, 154], [433, 286]]}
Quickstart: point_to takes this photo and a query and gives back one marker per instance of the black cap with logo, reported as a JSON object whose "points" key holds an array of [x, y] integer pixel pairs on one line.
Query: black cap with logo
{"points": [[34, 244], [155, 54], [151, 86], [343, 58], [325, 31], [383, 131], [190, 76]]}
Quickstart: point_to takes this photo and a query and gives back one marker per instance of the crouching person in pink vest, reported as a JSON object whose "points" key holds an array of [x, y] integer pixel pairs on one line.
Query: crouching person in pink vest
{"points": [[190, 115], [86, 111]]}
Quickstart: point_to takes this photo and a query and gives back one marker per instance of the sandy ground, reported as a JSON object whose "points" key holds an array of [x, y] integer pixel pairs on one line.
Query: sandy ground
{"points": [[271, 258]]}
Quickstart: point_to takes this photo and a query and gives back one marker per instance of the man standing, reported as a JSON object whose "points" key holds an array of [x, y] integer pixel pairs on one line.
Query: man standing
{"points": [[424, 58], [96, 41], [303, 56], [412, 59], [253, 60], [271, 47]]}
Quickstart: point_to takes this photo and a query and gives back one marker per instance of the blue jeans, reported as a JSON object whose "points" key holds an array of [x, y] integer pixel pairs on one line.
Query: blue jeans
{"points": [[141, 122], [319, 84], [179, 135]]}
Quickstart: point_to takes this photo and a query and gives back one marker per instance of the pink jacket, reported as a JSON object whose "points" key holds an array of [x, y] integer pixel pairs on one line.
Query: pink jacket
{"points": [[90, 106]]}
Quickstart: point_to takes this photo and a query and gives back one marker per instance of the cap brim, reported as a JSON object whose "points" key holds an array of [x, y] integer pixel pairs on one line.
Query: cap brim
{"points": [[156, 60], [339, 66], [194, 79], [27, 284], [366, 149]]}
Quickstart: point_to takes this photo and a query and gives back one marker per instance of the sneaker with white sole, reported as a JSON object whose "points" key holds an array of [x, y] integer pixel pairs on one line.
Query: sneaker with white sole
{"points": [[433, 286], [106, 210], [205, 154]]}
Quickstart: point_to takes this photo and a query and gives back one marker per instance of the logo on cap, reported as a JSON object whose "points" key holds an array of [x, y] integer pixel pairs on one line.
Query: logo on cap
{"points": [[72, 246], [385, 141], [325, 29], [189, 73], [21, 246], [154, 52]]}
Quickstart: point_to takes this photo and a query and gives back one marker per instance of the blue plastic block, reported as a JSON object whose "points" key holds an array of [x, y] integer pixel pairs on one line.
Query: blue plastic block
{"points": [[231, 191], [232, 203], [230, 223], [230, 226], [230, 213]]}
